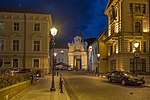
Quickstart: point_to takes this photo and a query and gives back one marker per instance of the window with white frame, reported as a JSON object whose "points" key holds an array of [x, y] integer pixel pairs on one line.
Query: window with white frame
{"points": [[37, 27], [137, 8], [144, 8], [15, 45], [1, 62], [131, 7], [1, 25], [36, 45], [16, 26], [144, 46], [1, 45], [36, 63]]}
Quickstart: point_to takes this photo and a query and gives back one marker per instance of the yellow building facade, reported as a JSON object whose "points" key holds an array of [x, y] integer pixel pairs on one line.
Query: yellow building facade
{"points": [[128, 24], [103, 53], [24, 40]]}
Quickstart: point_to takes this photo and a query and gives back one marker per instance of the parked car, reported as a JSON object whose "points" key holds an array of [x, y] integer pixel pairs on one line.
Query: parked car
{"points": [[38, 73], [70, 69], [26, 71], [124, 78]]}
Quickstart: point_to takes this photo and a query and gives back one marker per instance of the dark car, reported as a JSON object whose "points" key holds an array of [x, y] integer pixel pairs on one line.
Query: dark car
{"points": [[124, 78], [26, 71], [38, 73]]}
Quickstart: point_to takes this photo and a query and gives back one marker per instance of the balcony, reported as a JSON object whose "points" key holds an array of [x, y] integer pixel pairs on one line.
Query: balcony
{"points": [[112, 37]]}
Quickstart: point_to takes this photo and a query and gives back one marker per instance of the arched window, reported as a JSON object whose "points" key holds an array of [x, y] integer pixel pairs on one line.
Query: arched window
{"points": [[137, 27]]}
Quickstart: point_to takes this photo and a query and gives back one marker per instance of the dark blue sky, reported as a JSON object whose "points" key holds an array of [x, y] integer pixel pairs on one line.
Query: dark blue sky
{"points": [[70, 16]]}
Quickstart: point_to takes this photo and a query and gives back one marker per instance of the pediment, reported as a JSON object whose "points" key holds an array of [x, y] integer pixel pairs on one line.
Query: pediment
{"points": [[35, 35], [15, 35]]}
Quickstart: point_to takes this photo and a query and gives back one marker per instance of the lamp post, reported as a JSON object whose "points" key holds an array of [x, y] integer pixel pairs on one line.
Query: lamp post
{"points": [[136, 56], [98, 58], [53, 33]]}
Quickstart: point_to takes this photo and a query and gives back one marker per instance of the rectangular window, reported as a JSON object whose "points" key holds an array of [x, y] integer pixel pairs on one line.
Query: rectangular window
{"points": [[36, 63], [1, 45], [144, 46], [1, 25], [131, 65], [36, 45], [36, 27], [16, 26], [15, 63], [131, 7], [131, 48], [15, 45], [111, 50], [145, 26], [1, 62], [115, 47], [113, 65], [144, 65], [144, 8], [137, 8]]}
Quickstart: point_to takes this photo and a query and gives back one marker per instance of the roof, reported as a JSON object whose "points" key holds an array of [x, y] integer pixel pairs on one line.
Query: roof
{"points": [[16, 10]]}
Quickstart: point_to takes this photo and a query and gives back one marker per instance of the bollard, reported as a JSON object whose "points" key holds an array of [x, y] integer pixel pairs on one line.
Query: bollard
{"points": [[61, 85], [33, 79], [59, 81], [57, 73]]}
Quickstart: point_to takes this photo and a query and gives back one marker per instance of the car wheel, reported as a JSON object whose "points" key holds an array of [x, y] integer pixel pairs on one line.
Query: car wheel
{"points": [[123, 82], [109, 79]]}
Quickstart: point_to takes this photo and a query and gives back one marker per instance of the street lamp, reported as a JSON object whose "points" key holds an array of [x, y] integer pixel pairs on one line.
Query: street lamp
{"points": [[53, 33], [136, 56], [98, 58], [90, 58]]}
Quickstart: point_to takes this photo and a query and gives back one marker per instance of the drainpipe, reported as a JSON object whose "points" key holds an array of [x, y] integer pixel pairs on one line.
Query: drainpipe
{"points": [[149, 37], [24, 52]]}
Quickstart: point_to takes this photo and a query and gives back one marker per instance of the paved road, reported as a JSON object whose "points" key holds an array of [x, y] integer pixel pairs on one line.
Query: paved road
{"points": [[81, 86]]}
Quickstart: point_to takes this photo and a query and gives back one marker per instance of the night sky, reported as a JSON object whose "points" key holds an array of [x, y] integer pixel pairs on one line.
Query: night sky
{"points": [[70, 16]]}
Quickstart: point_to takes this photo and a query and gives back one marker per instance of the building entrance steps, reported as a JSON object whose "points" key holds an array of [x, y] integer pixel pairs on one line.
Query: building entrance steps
{"points": [[41, 91]]}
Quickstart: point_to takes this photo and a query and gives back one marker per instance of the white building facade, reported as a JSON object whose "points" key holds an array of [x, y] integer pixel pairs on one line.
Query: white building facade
{"points": [[77, 54], [61, 55], [93, 58]]}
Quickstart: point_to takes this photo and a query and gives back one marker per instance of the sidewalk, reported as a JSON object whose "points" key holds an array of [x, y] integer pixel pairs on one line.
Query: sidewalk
{"points": [[41, 91]]}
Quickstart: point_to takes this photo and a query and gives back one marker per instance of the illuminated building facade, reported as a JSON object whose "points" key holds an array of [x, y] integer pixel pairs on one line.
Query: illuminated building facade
{"points": [[77, 54], [92, 56], [24, 40], [128, 23], [61, 54]]}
